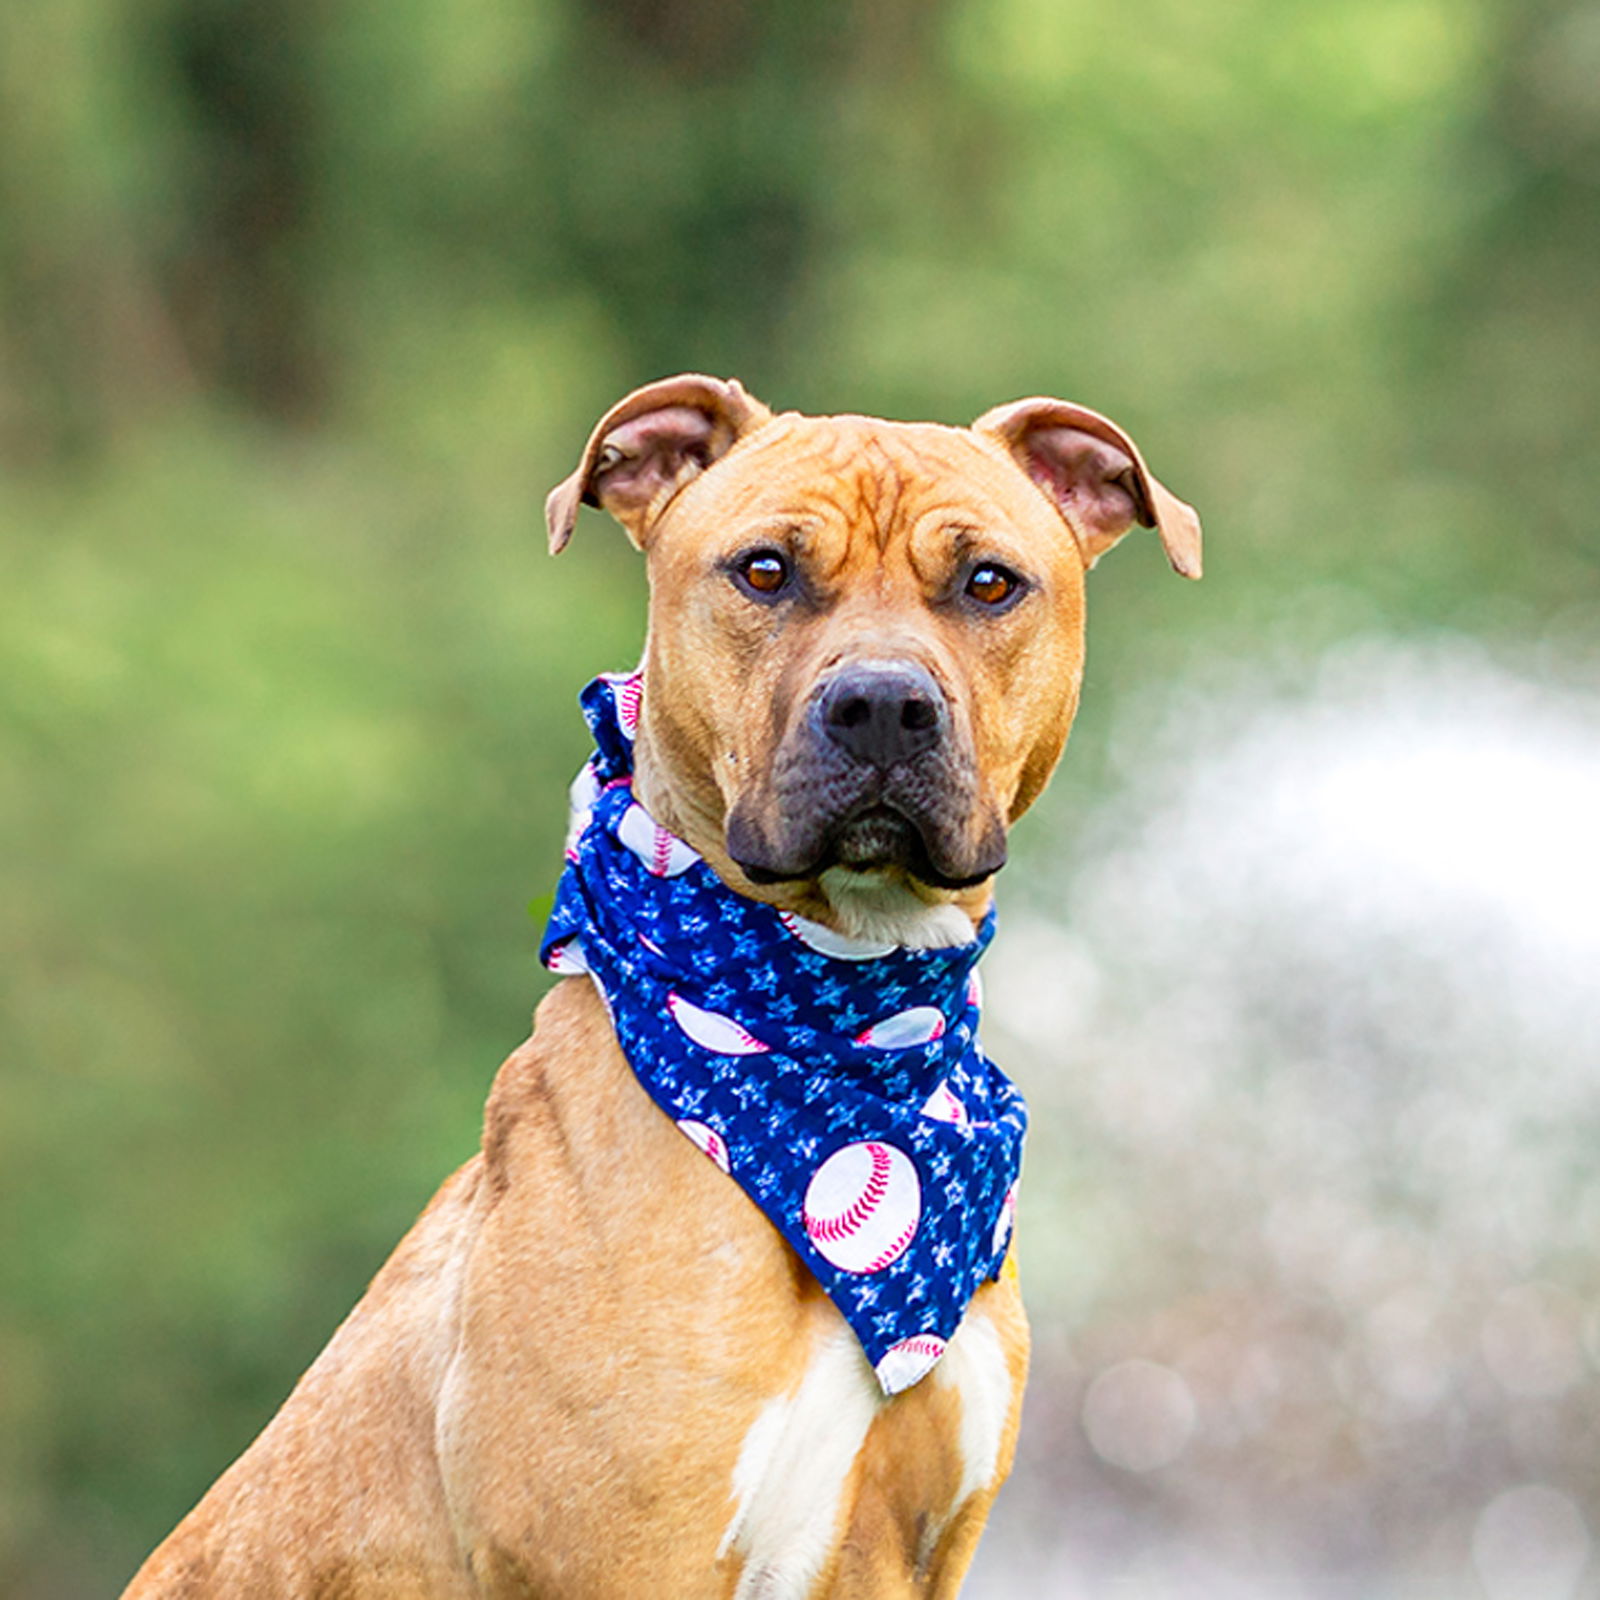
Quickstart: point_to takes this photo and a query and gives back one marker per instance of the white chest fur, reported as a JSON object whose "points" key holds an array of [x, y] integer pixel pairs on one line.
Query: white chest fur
{"points": [[797, 1458], [975, 1366], [792, 1470]]}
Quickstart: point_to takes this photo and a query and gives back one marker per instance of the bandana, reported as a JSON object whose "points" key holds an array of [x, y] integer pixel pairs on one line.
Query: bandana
{"points": [[839, 1083]]}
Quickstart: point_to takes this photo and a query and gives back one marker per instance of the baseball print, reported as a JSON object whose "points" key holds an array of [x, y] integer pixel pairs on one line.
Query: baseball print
{"points": [[627, 689], [945, 1105], [919, 1025], [708, 1141], [828, 943], [566, 958], [1006, 1221], [718, 1034], [862, 1206], [909, 1361], [664, 854]]}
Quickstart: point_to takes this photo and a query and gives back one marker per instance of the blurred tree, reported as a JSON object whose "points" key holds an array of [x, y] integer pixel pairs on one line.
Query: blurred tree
{"points": [[243, 278], [88, 163], [303, 306]]}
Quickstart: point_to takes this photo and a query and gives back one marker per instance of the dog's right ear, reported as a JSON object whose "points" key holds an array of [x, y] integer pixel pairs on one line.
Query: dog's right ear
{"points": [[646, 447]]}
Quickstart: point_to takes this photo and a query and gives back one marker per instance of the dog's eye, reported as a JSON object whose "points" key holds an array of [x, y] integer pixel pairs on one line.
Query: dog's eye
{"points": [[764, 571], [992, 584]]}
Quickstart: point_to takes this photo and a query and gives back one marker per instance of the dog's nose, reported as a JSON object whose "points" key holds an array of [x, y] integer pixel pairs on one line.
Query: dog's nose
{"points": [[883, 713]]}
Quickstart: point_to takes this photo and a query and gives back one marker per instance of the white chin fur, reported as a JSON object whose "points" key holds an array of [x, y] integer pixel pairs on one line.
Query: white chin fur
{"points": [[870, 906]]}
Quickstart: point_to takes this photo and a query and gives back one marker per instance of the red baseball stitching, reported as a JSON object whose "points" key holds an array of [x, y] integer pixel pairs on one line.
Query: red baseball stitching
{"points": [[919, 1344], [629, 696], [880, 1262], [849, 1221]]}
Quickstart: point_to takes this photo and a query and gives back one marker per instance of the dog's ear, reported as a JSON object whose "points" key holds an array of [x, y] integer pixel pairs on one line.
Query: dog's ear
{"points": [[646, 447], [1093, 474]]}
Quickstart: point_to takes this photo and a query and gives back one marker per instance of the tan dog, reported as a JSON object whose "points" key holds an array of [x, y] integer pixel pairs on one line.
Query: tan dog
{"points": [[593, 1369]]}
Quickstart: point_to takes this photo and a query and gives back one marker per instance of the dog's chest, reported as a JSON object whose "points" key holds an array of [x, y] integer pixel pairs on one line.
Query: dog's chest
{"points": [[833, 1450]]}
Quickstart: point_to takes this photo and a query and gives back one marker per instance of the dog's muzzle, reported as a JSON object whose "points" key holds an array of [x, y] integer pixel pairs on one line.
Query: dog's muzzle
{"points": [[874, 775]]}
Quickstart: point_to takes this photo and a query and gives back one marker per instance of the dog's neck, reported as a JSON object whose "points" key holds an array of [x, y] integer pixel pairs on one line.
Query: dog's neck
{"points": [[876, 907]]}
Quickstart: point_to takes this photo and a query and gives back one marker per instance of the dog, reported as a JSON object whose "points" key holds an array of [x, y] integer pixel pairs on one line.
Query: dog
{"points": [[594, 1368]]}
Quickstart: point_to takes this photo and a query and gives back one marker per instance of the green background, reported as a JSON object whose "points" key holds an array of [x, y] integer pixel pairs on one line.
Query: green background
{"points": [[302, 309]]}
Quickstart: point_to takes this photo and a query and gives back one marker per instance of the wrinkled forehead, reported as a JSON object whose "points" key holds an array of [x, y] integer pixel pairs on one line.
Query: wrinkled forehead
{"points": [[869, 476]]}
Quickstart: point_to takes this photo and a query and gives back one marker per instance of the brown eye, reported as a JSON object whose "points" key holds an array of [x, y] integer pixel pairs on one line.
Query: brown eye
{"points": [[764, 571], [992, 585]]}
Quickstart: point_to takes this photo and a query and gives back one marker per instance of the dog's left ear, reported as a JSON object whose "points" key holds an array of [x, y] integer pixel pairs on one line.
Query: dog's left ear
{"points": [[646, 447], [1093, 474]]}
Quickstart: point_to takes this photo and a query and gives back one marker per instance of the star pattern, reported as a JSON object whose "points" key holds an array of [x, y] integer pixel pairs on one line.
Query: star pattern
{"points": [[759, 1045]]}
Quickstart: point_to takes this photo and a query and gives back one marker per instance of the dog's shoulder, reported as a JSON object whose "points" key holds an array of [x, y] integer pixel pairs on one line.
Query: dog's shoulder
{"points": [[555, 1087]]}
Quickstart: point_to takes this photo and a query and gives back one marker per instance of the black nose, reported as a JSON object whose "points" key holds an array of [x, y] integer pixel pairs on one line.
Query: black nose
{"points": [[883, 713]]}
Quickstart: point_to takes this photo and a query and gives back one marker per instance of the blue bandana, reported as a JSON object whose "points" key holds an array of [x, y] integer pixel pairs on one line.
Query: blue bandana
{"points": [[839, 1084]]}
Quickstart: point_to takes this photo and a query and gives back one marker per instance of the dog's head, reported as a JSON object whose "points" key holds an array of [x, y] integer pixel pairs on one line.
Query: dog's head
{"points": [[866, 637]]}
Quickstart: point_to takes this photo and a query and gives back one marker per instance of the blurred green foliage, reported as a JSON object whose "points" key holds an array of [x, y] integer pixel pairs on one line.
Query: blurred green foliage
{"points": [[302, 307]]}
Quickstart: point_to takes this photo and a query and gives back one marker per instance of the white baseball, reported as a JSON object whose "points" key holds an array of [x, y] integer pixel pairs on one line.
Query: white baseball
{"points": [[945, 1105], [908, 1362], [1006, 1221], [581, 796], [708, 1141], [628, 690], [919, 1025], [828, 943], [664, 854], [863, 1205], [567, 959], [711, 1030]]}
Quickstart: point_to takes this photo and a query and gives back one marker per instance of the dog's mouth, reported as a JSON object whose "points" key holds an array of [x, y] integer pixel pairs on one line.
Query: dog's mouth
{"points": [[879, 837], [876, 838]]}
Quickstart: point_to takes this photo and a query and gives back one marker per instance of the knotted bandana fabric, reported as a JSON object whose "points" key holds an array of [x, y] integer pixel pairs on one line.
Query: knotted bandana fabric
{"points": [[839, 1084]]}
